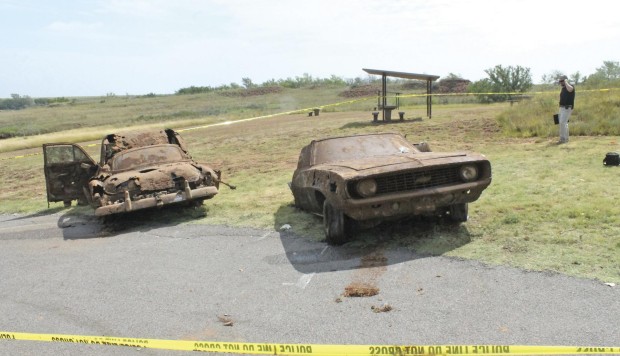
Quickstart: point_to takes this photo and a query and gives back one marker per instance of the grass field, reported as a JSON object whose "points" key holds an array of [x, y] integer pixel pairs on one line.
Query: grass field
{"points": [[549, 208]]}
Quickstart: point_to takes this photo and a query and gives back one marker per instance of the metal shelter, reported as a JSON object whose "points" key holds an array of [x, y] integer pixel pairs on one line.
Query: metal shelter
{"points": [[388, 73]]}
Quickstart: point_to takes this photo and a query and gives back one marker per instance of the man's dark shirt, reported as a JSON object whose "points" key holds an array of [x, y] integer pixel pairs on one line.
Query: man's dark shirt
{"points": [[567, 97]]}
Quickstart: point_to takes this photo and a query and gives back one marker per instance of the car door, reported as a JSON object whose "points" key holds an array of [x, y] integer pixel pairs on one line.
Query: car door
{"points": [[67, 170]]}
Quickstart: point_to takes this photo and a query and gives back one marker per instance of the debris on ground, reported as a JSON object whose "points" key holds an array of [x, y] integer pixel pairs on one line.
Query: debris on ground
{"points": [[225, 320], [358, 289], [382, 309]]}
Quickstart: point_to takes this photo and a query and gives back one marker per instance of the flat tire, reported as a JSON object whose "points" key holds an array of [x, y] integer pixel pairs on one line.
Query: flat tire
{"points": [[334, 222]]}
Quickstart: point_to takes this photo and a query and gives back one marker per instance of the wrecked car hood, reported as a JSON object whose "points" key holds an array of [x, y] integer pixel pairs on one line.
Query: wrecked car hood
{"points": [[373, 165], [156, 177]]}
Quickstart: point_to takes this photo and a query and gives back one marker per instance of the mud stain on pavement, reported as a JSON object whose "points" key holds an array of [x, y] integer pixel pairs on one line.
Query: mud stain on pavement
{"points": [[364, 283]]}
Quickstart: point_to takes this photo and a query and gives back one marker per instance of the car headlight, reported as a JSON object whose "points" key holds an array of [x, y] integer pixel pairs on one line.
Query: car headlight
{"points": [[468, 172], [366, 187]]}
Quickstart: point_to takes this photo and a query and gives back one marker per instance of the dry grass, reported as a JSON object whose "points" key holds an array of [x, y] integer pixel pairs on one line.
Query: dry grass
{"points": [[549, 207]]}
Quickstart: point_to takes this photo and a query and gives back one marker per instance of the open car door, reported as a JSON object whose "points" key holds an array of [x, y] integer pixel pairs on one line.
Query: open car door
{"points": [[67, 170]]}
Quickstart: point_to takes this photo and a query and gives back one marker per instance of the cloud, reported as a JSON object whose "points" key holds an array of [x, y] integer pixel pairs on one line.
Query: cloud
{"points": [[74, 26], [134, 8]]}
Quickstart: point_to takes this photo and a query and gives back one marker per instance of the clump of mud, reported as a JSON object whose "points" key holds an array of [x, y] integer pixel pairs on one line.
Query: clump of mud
{"points": [[360, 289]]}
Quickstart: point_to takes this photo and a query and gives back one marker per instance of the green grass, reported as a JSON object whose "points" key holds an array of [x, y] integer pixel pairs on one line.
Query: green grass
{"points": [[597, 112], [549, 207]]}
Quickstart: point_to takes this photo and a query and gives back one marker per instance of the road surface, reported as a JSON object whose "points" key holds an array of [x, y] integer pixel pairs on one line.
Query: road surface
{"points": [[64, 274]]}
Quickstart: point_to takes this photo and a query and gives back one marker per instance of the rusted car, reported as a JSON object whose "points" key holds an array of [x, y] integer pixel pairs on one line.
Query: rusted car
{"points": [[136, 170], [371, 178]]}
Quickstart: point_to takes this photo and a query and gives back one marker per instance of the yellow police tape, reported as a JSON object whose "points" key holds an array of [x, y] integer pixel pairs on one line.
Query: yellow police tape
{"points": [[311, 349], [271, 115]]}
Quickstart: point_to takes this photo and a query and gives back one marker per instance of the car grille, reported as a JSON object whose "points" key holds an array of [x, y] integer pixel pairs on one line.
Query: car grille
{"points": [[413, 180]]}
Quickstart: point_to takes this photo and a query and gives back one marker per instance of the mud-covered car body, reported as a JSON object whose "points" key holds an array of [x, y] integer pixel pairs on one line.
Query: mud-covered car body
{"points": [[370, 178], [136, 170]]}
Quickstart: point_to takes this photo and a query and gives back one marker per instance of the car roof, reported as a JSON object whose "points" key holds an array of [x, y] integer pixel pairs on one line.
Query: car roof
{"points": [[139, 138]]}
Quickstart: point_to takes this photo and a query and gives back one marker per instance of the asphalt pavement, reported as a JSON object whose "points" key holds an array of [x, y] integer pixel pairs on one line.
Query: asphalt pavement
{"points": [[64, 274]]}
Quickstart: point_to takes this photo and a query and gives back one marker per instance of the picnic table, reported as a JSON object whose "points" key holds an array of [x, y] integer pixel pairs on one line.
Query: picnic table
{"points": [[387, 111]]}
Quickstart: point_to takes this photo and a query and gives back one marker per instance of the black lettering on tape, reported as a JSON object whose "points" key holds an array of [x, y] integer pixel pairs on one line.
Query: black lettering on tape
{"points": [[7, 336], [263, 348], [206, 345], [434, 350], [594, 349], [62, 339], [231, 347], [415, 350], [391, 350], [300, 349], [457, 349], [490, 349]]}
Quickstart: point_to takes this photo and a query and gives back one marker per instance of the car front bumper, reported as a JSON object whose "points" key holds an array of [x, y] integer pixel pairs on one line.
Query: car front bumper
{"points": [[421, 202], [157, 201]]}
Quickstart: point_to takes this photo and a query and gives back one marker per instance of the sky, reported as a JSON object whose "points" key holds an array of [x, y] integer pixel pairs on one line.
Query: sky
{"points": [[65, 48]]}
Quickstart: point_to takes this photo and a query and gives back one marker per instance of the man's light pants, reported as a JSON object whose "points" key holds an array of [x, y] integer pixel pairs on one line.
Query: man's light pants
{"points": [[563, 122]]}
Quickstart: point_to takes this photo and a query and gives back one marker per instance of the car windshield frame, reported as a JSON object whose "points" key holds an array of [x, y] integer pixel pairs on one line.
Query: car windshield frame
{"points": [[359, 147], [146, 156]]}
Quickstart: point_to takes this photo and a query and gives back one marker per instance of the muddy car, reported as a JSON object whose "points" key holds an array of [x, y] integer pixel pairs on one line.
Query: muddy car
{"points": [[137, 170], [367, 179]]}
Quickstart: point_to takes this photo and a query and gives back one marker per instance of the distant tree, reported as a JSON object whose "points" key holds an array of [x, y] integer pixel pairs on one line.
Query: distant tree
{"points": [[247, 83], [269, 83], [551, 77], [355, 82], [502, 80], [452, 76], [17, 102], [609, 70], [510, 79], [334, 80], [194, 90], [484, 87], [576, 78]]}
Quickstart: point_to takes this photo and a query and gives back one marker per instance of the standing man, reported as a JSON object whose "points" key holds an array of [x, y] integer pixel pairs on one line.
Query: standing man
{"points": [[567, 103]]}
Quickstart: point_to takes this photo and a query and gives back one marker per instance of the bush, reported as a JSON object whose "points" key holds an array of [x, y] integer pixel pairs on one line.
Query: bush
{"points": [[17, 102]]}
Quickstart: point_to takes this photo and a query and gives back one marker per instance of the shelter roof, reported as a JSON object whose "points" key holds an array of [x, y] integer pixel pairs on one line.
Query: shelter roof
{"points": [[390, 73]]}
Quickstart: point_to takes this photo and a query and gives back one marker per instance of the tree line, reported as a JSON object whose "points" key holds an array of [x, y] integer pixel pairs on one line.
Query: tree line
{"points": [[517, 79], [500, 80]]}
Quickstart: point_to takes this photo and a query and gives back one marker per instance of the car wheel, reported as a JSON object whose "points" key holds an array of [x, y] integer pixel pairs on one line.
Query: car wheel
{"points": [[458, 212], [334, 224]]}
